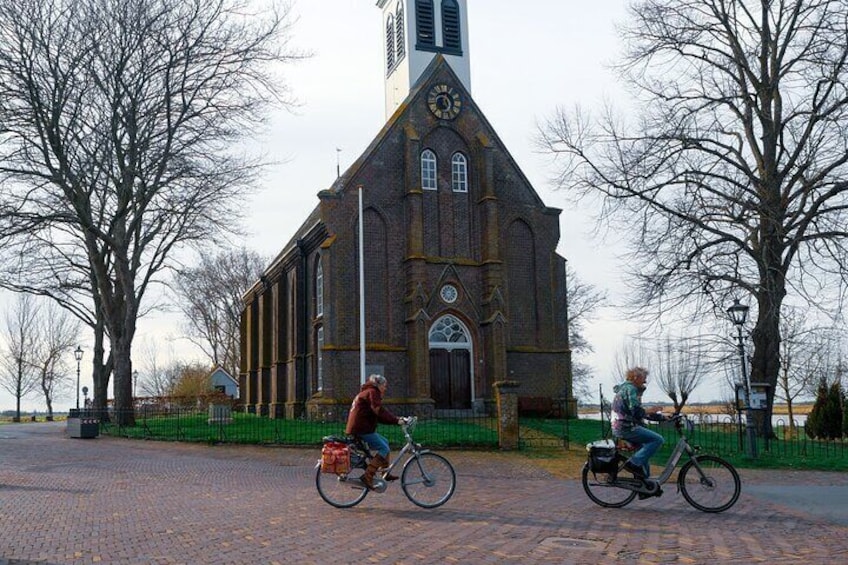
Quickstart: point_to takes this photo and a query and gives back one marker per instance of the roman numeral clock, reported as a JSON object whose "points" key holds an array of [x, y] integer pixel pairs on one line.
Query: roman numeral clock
{"points": [[444, 102]]}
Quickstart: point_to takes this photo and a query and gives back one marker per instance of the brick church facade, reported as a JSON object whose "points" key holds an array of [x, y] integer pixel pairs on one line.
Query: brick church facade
{"points": [[463, 284]]}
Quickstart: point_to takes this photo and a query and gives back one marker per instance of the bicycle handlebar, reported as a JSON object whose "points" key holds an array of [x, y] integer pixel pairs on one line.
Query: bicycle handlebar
{"points": [[408, 423], [681, 421]]}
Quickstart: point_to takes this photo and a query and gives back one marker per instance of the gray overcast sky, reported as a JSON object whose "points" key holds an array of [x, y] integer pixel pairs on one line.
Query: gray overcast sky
{"points": [[526, 58]]}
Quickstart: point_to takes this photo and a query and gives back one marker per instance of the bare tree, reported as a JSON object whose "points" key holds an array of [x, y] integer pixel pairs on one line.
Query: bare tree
{"points": [[210, 298], [156, 378], [118, 123], [679, 369], [18, 375], [583, 302], [57, 333], [804, 354], [732, 179], [52, 264]]}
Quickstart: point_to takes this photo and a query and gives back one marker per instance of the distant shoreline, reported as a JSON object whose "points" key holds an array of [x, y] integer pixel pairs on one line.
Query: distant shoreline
{"points": [[801, 409]]}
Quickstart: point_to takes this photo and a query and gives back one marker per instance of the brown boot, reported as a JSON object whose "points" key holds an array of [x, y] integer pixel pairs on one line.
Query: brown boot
{"points": [[368, 476], [386, 462]]}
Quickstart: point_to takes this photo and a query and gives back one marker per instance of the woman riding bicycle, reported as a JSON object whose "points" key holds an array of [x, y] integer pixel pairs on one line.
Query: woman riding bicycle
{"points": [[628, 418], [367, 409]]}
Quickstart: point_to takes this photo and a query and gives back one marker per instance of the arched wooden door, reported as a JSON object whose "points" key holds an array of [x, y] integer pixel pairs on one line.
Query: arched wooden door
{"points": [[450, 364]]}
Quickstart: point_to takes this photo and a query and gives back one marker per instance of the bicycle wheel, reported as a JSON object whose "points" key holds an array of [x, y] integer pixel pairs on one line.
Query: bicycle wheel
{"points": [[601, 488], [428, 480], [339, 490], [712, 486]]}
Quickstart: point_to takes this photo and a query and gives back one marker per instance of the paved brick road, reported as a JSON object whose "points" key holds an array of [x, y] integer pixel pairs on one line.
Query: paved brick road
{"points": [[69, 501]]}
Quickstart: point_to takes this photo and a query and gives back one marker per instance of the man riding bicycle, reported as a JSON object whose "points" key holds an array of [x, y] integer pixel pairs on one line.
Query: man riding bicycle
{"points": [[628, 418]]}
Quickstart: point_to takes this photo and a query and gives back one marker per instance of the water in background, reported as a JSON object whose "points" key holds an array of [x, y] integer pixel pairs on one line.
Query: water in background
{"points": [[776, 419]]}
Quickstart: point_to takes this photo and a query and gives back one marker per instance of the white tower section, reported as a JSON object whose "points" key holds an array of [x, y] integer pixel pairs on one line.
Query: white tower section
{"points": [[414, 32]]}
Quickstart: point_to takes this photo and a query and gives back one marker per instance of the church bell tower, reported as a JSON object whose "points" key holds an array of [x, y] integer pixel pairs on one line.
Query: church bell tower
{"points": [[415, 31]]}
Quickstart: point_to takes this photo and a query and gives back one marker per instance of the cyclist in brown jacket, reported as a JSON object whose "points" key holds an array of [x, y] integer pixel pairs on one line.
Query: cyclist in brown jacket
{"points": [[367, 409]]}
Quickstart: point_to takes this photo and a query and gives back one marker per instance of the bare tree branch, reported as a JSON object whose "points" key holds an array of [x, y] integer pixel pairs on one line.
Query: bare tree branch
{"points": [[119, 123], [730, 179]]}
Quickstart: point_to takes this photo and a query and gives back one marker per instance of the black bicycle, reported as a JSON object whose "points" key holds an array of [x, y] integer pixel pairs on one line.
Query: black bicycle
{"points": [[707, 482]]}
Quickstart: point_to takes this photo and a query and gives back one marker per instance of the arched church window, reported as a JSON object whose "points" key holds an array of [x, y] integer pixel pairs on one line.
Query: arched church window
{"points": [[459, 173], [428, 170], [319, 358], [451, 36], [399, 33], [425, 23], [390, 43], [448, 330], [319, 288]]}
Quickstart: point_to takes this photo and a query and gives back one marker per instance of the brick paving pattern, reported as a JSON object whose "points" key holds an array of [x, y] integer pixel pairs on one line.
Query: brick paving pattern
{"points": [[106, 500]]}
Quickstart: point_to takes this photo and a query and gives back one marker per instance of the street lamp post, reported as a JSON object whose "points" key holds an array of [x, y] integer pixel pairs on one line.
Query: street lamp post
{"points": [[738, 314], [78, 357]]}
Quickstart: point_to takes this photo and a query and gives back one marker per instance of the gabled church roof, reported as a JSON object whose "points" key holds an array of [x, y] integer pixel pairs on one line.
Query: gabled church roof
{"points": [[439, 70], [435, 72]]}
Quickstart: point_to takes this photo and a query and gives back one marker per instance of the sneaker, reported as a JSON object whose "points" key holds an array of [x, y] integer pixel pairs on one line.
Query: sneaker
{"points": [[637, 471]]}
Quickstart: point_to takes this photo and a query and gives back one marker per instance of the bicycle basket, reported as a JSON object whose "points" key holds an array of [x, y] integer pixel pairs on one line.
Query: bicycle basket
{"points": [[335, 458], [602, 456]]}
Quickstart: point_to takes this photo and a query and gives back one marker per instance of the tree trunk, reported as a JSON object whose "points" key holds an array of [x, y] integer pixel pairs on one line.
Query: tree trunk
{"points": [[765, 365], [122, 388], [100, 374]]}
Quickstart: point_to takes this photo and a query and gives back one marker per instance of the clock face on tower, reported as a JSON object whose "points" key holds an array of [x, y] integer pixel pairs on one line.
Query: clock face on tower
{"points": [[444, 102]]}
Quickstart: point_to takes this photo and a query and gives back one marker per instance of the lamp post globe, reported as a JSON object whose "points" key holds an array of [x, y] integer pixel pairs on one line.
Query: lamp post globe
{"points": [[738, 315]]}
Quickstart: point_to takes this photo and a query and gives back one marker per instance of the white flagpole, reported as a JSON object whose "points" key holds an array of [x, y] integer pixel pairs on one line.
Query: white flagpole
{"points": [[361, 294]]}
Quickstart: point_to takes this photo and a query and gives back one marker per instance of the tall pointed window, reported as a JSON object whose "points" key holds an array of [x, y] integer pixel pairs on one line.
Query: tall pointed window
{"points": [[451, 35], [428, 170], [400, 34], [459, 173], [390, 43], [319, 289], [425, 23], [319, 358]]}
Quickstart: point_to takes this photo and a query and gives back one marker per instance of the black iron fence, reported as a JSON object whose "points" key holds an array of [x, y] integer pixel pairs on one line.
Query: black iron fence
{"points": [[223, 424], [216, 424], [725, 435]]}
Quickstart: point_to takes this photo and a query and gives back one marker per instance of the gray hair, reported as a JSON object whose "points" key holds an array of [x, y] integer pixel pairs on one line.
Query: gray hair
{"points": [[378, 380]]}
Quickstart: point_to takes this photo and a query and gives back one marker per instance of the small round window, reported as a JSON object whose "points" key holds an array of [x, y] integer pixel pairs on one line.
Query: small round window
{"points": [[449, 293]]}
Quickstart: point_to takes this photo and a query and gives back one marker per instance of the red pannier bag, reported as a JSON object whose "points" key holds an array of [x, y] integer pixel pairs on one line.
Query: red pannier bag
{"points": [[335, 458]]}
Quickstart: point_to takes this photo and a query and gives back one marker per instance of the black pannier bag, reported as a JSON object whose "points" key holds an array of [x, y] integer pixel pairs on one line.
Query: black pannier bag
{"points": [[602, 456]]}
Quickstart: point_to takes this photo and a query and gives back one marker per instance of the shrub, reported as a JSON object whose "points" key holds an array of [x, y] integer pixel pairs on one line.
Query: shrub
{"points": [[825, 420]]}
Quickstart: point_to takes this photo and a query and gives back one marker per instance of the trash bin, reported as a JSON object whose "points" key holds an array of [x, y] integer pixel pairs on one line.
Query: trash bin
{"points": [[81, 426]]}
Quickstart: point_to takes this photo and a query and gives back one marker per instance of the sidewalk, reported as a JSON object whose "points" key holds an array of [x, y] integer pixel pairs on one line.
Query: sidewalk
{"points": [[106, 500]]}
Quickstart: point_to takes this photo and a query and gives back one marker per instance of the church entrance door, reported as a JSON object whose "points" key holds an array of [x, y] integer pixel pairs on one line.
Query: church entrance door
{"points": [[450, 364]]}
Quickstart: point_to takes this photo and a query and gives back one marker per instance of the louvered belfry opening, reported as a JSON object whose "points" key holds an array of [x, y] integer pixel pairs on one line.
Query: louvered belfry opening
{"points": [[425, 23], [399, 34], [452, 38], [390, 44]]}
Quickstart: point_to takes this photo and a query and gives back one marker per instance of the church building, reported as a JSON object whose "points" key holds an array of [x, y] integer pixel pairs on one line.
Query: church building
{"points": [[463, 286]]}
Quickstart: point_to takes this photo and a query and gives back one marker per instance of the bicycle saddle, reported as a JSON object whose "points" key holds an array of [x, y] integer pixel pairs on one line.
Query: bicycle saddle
{"points": [[624, 445]]}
